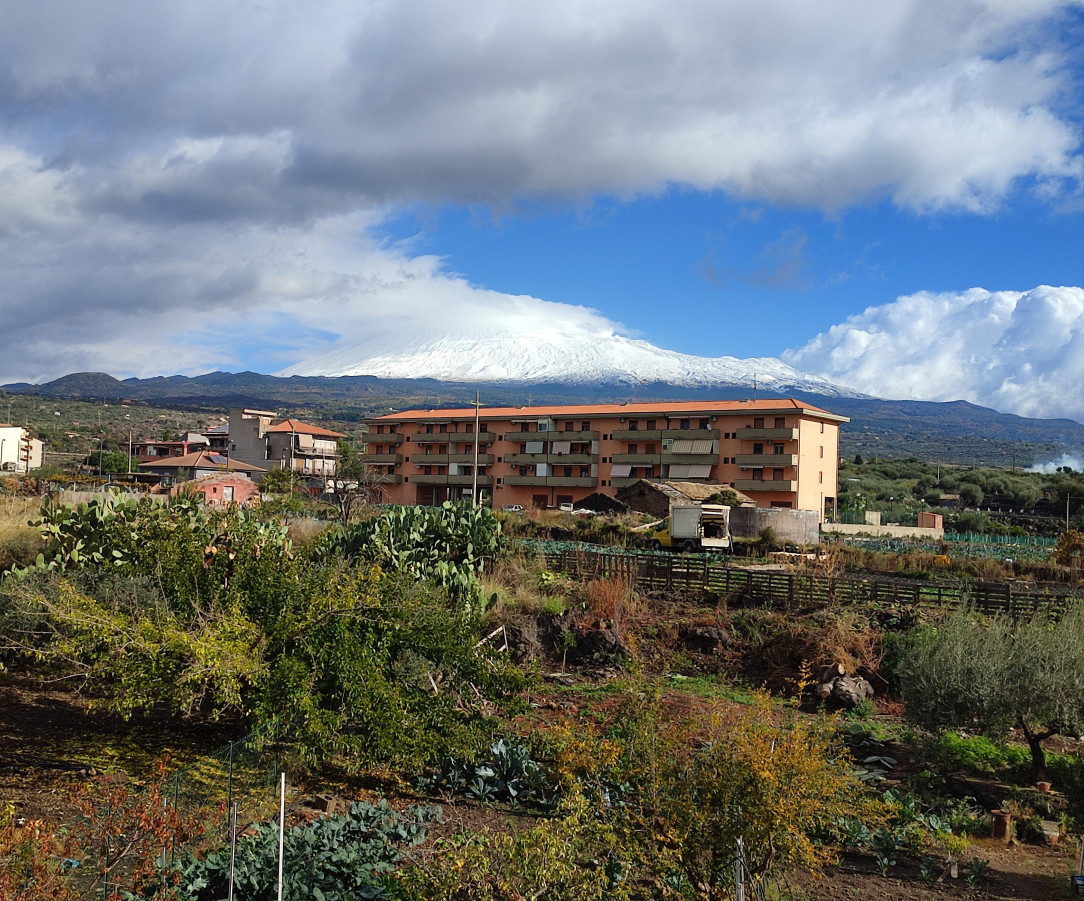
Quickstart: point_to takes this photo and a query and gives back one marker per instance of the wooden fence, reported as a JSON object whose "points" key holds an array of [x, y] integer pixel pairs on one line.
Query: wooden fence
{"points": [[792, 591]]}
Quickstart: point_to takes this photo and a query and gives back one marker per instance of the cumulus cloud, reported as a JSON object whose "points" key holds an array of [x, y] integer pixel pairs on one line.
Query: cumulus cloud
{"points": [[1016, 351], [179, 182]]}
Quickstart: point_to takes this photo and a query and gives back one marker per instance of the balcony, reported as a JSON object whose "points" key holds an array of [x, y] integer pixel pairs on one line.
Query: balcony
{"points": [[774, 485], [558, 459], [767, 434], [552, 481], [575, 437], [637, 435], [451, 480], [373, 438], [444, 459], [382, 459], [768, 461], [699, 459], [450, 438], [642, 459]]}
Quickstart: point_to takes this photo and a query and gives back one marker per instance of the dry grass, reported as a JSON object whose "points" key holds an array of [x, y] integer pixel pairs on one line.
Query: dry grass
{"points": [[524, 584], [19, 543]]}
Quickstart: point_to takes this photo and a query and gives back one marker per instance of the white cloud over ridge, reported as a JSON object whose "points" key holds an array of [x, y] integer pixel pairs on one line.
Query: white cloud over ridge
{"points": [[1016, 351], [182, 182]]}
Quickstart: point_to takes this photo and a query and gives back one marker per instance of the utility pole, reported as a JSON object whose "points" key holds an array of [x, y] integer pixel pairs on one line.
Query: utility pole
{"points": [[474, 481]]}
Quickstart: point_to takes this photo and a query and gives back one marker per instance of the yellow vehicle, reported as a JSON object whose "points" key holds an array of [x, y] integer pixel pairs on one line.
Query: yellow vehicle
{"points": [[694, 527]]}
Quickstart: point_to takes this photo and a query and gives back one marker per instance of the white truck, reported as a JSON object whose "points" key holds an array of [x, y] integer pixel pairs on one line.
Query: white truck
{"points": [[694, 527]]}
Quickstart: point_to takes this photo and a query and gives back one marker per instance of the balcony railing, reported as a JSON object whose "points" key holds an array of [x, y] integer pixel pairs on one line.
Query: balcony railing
{"points": [[558, 459], [767, 434], [777, 485], [445, 479], [449, 438], [575, 437], [444, 459], [767, 460], [554, 481], [382, 459]]}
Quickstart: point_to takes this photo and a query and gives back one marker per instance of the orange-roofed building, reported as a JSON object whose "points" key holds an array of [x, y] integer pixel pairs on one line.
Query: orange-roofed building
{"points": [[309, 450], [781, 453]]}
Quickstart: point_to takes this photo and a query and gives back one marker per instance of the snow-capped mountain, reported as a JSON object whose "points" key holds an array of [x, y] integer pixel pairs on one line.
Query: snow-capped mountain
{"points": [[564, 356]]}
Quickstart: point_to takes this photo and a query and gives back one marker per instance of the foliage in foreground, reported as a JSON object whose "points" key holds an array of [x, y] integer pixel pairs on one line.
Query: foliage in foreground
{"points": [[337, 858], [214, 613], [998, 673]]}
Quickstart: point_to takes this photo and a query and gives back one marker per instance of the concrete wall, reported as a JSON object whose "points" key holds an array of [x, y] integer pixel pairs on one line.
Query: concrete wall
{"points": [[796, 526], [841, 528]]}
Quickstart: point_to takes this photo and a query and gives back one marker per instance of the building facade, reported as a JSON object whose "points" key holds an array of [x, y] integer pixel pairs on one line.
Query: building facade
{"points": [[781, 453], [19, 450], [255, 437]]}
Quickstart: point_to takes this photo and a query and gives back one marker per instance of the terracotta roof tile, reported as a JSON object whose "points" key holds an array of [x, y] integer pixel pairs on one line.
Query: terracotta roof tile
{"points": [[201, 460], [570, 411], [295, 426]]}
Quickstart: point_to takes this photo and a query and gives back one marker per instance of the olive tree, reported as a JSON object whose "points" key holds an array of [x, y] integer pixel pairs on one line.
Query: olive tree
{"points": [[998, 673]]}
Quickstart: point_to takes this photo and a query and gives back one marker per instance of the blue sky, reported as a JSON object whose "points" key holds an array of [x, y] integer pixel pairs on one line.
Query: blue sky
{"points": [[888, 195], [655, 263]]}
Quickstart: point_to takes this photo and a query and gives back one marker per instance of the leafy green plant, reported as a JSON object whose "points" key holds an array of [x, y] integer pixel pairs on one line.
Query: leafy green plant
{"points": [[506, 773], [976, 869], [337, 858], [930, 867], [885, 844]]}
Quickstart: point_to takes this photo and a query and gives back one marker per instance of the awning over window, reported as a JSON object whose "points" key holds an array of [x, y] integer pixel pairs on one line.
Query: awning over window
{"points": [[690, 446], [621, 470], [560, 447]]}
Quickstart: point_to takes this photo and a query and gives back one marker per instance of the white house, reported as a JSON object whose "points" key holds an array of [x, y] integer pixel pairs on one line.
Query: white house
{"points": [[19, 451]]}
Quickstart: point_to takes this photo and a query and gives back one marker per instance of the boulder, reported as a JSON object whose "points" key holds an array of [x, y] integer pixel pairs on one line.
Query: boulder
{"points": [[704, 639], [598, 647]]}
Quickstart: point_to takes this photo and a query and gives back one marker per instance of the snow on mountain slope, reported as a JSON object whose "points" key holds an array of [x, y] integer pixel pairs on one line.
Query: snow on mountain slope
{"points": [[555, 355]]}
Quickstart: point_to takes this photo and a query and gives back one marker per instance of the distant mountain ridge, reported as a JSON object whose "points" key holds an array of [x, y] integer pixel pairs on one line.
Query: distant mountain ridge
{"points": [[952, 432]]}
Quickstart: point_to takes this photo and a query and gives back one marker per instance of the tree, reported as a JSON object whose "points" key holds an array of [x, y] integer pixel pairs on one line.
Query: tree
{"points": [[996, 673], [355, 484]]}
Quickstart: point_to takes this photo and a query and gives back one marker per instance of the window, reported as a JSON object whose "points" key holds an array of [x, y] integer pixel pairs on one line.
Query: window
{"points": [[483, 427], [634, 426], [649, 449], [443, 428], [777, 475], [632, 449], [650, 425], [758, 422], [820, 477], [822, 428], [758, 474], [684, 425], [429, 430], [758, 448], [778, 448], [380, 430], [585, 426], [570, 426], [703, 424], [780, 422], [568, 472], [822, 451]]}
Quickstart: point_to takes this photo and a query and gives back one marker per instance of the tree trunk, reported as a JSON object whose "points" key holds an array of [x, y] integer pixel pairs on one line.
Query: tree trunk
{"points": [[1039, 772]]}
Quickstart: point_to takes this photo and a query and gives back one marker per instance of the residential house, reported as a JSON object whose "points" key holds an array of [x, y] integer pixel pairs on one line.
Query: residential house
{"points": [[19, 450], [196, 465], [255, 437], [222, 489]]}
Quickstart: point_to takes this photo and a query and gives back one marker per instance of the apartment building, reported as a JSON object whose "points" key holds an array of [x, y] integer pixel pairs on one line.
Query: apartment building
{"points": [[781, 453], [255, 437]]}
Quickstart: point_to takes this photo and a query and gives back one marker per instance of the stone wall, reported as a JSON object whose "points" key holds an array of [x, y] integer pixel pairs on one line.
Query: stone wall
{"points": [[795, 526]]}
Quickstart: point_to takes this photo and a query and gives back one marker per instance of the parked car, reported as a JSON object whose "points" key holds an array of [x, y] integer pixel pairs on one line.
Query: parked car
{"points": [[565, 508], [513, 508]]}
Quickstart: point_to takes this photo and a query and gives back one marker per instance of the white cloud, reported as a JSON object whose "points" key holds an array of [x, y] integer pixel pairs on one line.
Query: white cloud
{"points": [[1016, 351], [182, 183]]}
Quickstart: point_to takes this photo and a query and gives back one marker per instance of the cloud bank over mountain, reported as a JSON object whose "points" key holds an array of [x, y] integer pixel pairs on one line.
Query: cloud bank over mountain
{"points": [[1016, 351], [200, 185]]}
